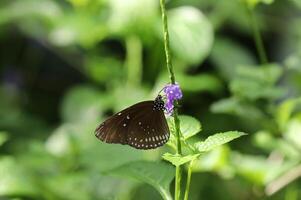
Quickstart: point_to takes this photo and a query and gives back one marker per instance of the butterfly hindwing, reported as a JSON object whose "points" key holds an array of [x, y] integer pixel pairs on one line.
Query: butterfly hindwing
{"points": [[149, 131]]}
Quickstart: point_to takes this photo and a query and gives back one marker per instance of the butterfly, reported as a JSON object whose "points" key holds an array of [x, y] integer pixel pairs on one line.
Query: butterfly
{"points": [[142, 126]]}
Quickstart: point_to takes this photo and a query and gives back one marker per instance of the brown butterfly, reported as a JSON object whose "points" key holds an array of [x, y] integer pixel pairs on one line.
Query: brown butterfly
{"points": [[142, 126]]}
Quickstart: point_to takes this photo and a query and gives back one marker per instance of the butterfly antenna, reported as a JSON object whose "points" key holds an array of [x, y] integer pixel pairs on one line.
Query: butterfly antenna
{"points": [[160, 91]]}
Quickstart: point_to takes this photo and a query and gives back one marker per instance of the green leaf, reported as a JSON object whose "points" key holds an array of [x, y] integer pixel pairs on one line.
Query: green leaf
{"points": [[236, 107], [256, 168], [100, 68], [227, 56], [79, 3], [178, 160], [254, 90], [65, 184], [189, 126], [285, 110], [82, 104], [297, 3], [3, 137], [126, 16], [216, 160], [23, 10], [157, 174], [269, 73], [134, 95], [60, 143], [14, 180], [100, 151], [293, 61], [293, 132], [76, 28], [254, 82], [191, 34], [201, 82], [267, 142], [218, 139], [253, 3]]}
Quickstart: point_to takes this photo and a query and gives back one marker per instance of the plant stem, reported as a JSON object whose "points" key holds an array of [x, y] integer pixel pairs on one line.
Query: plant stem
{"points": [[287, 178], [173, 81], [133, 60], [166, 43], [257, 37], [188, 180]]}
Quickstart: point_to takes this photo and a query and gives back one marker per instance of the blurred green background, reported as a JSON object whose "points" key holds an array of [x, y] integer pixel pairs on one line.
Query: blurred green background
{"points": [[66, 65]]}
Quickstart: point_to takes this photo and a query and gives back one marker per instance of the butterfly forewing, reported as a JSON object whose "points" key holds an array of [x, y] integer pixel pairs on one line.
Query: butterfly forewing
{"points": [[114, 129], [142, 126]]}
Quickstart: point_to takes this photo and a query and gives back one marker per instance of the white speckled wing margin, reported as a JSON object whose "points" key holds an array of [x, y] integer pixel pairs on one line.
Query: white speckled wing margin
{"points": [[148, 131]]}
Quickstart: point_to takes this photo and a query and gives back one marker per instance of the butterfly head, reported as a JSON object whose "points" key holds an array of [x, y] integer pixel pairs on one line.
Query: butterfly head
{"points": [[159, 103]]}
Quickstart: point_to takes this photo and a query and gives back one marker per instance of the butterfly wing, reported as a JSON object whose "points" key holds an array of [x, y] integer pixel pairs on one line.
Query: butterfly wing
{"points": [[148, 130], [140, 126], [115, 128]]}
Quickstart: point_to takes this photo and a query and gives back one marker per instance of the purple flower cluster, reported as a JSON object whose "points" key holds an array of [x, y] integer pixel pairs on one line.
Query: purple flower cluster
{"points": [[173, 92]]}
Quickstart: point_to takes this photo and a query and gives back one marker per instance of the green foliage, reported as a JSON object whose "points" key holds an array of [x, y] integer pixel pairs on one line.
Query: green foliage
{"points": [[26, 10], [126, 16], [178, 160], [66, 65], [217, 140], [253, 3], [285, 110], [82, 104], [192, 36], [14, 179], [189, 126], [159, 175], [228, 56], [202, 82], [3, 138], [72, 29], [238, 107], [256, 82]]}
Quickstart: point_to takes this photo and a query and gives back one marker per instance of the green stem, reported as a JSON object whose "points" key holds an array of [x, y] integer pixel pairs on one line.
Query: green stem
{"points": [[133, 60], [173, 81], [188, 180], [257, 37], [166, 42]]}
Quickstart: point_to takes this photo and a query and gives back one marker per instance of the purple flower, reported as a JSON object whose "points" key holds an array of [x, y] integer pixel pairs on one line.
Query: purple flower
{"points": [[173, 92]]}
